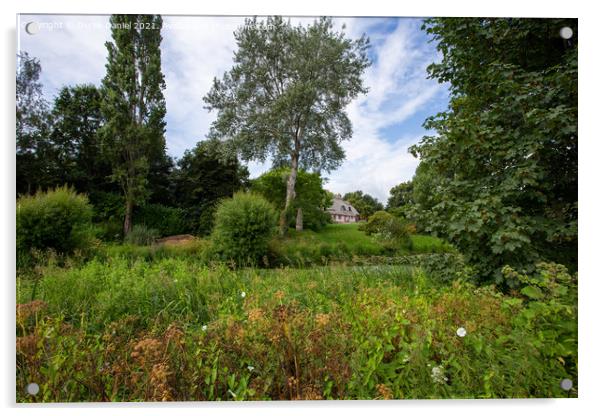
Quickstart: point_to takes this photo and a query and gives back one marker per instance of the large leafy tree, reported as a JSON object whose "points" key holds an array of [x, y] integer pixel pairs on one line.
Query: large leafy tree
{"points": [[286, 95], [33, 146], [204, 175], [311, 196], [77, 118], [133, 105], [504, 159], [365, 204], [401, 197]]}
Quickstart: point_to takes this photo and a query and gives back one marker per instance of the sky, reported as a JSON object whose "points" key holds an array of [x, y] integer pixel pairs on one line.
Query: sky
{"points": [[195, 49]]}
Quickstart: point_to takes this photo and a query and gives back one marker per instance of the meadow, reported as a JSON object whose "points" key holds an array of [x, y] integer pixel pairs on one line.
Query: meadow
{"points": [[175, 327]]}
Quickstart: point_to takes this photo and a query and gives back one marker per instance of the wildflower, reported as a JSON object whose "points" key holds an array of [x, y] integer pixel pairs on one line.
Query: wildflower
{"points": [[204, 327], [438, 375], [243, 294], [175, 280], [461, 332], [250, 368]]}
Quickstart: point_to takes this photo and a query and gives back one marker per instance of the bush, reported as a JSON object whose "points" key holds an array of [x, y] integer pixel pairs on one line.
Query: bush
{"points": [[243, 228], [446, 267], [141, 235], [165, 220], [58, 219], [388, 228]]}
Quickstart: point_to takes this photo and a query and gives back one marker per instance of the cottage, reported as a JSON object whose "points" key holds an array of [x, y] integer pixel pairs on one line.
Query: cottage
{"points": [[342, 211]]}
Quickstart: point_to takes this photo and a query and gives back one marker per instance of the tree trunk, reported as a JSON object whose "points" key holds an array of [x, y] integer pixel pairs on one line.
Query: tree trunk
{"points": [[290, 193], [127, 223], [299, 223]]}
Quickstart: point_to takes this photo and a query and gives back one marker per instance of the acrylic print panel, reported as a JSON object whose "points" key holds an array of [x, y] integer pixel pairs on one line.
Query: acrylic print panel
{"points": [[283, 208]]}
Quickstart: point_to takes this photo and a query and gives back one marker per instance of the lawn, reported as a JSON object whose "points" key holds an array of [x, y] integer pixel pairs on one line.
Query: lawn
{"points": [[343, 242]]}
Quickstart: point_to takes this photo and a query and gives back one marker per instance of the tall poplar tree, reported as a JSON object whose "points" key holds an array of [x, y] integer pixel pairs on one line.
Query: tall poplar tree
{"points": [[286, 96], [133, 105]]}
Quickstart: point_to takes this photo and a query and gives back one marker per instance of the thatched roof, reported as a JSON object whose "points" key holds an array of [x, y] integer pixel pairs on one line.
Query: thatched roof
{"points": [[341, 207]]}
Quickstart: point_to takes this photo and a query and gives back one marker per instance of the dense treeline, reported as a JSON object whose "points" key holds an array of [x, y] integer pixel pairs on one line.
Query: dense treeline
{"points": [[499, 177], [59, 143]]}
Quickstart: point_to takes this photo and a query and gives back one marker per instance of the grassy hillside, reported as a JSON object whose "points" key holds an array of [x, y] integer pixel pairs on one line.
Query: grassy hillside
{"points": [[342, 242]]}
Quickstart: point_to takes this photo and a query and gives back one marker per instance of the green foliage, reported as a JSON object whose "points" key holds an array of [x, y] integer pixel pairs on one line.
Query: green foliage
{"points": [[365, 204], [173, 329], [108, 214], [446, 267], [346, 244], [59, 219], [401, 196], [273, 103], [205, 175], [273, 90], [197, 250], [141, 235], [243, 228], [502, 168], [549, 314], [33, 148], [388, 228], [311, 197], [77, 161], [429, 244], [165, 220], [133, 105]]}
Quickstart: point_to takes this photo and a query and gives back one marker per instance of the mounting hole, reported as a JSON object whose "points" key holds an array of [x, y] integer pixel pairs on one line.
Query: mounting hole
{"points": [[32, 28], [566, 32], [33, 388], [566, 384]]}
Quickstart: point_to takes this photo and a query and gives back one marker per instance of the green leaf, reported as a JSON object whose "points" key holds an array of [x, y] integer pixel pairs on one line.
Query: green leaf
{"points": [[532, 292]]}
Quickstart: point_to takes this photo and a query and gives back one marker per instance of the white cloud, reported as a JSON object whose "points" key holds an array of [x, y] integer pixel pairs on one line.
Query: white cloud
{"points": [[398, 89], [71, 48], [194, 51]]}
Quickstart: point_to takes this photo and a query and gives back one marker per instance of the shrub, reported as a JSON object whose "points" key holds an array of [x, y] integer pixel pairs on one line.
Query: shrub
{"points": [[141, 235], [445, 267], [165, 220], [388, 228], [243, 228], [58, 219]]}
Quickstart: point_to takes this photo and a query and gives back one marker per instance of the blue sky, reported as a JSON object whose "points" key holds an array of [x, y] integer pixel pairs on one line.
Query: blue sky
{"points": [[196, 49]]}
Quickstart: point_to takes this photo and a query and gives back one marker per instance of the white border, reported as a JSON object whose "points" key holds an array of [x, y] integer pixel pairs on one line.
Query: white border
{"points": [[590, 372]]}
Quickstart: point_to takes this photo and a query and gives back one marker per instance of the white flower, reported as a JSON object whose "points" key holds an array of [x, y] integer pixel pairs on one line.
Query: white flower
{"points": [[461, 332], [204, 327], [250, 368], [243, 294], [438, 375]]}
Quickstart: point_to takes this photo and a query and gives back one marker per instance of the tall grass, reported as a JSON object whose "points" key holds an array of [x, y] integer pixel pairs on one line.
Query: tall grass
{"points": [[175, 329]]}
